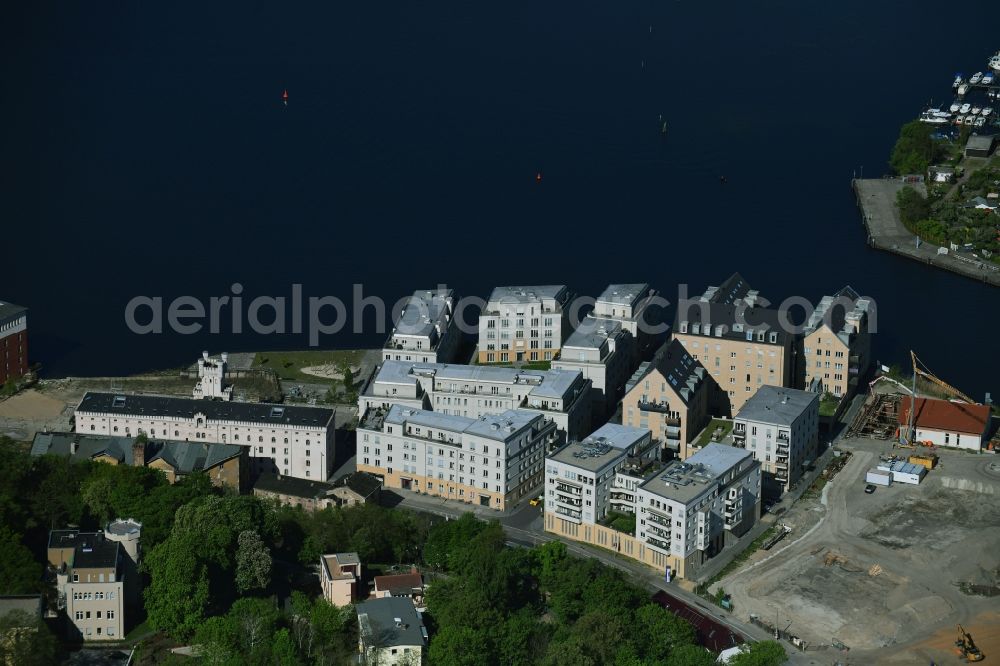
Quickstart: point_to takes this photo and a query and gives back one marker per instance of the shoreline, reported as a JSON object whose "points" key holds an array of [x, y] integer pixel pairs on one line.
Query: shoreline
{"points": [[876, 200]]}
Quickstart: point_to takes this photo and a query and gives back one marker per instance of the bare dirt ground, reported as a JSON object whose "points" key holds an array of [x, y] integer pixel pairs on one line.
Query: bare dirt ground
{"points": [[879, 572]]}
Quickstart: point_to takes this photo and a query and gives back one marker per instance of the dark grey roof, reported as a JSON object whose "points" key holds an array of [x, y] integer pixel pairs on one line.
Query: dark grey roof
{"points": [[678, 367], [776, 405], [379, 616], [10, 310], [26, 603], [216, 410], [362, 483], [91, 550], [731, 290], [294, 487], [736, 320], [980, 142], [185, 457]]}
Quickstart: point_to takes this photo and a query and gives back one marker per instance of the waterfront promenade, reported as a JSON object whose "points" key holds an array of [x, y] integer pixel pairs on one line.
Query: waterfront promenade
{"points": [[877, 200]]}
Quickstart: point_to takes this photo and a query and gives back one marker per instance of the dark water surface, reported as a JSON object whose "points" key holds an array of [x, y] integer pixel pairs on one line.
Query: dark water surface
{"points": [[145, 150]]}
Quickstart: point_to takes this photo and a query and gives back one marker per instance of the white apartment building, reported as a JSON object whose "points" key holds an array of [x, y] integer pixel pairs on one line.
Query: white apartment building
{"points": [[96, 578], [603, 352], [581, 476], [561, 396], [689, 512], [290, 440], [491, 460], [524, 323], [780, 427], [638, 310], [425, 330], [391, 632]]}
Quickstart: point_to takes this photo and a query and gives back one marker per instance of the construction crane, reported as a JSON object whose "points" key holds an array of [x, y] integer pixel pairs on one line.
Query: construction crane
{"points": [[910, 434], [966, 647]]}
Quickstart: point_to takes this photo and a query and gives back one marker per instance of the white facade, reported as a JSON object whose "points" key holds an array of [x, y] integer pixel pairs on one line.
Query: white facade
{"points": [[488, 460], [687, 510], [581, 478], [603, 352], [523, 323], [780, 427], [96, 609], [952, 438], [636, 307], [425, 331], [211, 378], [290, 440], [561, 396]]}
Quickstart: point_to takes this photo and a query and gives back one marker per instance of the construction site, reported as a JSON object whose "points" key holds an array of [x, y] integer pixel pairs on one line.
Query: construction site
{"points": [[884, 575]]}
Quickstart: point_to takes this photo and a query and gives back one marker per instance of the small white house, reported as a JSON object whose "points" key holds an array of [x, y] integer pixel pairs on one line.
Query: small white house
{"points": [[945, 423]]}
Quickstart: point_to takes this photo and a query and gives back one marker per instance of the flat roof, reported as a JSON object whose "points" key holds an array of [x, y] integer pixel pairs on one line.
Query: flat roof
{"points": [[217, 410], [592, 333], [688, 480], [11, 310], [526, 294], [26, 603], [393, 619], [499, 427], [777, 405], [980, 141], [604, 446], [422, 311], [624, 294], [554, 383]]}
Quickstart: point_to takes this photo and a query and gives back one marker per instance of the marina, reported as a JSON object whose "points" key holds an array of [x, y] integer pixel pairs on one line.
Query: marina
{"points": [[973, 105]]}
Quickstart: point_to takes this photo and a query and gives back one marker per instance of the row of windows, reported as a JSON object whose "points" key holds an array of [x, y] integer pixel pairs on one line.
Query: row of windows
{"points": [[92, 596], [85, 615]]}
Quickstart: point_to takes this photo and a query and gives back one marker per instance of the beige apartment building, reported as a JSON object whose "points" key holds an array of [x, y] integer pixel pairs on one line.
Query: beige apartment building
{"points": [[339, 576], [669, 396], [524, 323], [742, 344], [96, 578], [836, 344]]}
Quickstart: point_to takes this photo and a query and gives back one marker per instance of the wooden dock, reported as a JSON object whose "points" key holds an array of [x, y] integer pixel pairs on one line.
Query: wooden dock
{"points": [[876, 199]]}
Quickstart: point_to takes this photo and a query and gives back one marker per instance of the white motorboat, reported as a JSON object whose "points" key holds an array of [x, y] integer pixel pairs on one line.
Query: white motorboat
{"points": [[962, 89], [980, 121], [955, 106], [965, 108], [995, 63], [957, 82], [976, 110], [976, 78], [987, 78], [938, 118], [970, 120], [987, 111], [959, 120]]}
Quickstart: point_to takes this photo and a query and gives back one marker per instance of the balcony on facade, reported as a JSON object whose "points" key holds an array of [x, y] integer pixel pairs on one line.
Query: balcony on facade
{"points": [[568, 489], [782, 438], [568, 514], [623, 506], [659, 407], [658, 543], [658, 532], [657, 518], [568, 501]]}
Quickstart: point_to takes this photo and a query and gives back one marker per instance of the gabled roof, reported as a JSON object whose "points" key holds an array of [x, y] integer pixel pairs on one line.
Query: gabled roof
{"points": [[399, 583], [947, 416], [684, 374], [362, 483], [183, 457], [292, 486]]}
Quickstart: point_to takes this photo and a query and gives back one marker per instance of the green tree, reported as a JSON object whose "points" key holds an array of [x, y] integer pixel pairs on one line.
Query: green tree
{"points": [[913, 207], [178, 595], [253, 562], [283, 649], [461, 646], [914, 149], [762, 653], [663, 630], [690, 655], [19, 572]]}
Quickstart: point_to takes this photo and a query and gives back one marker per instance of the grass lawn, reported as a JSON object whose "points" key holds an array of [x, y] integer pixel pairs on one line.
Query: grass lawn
{"points": [[621, 522], [706, 435], [289, 364], [828, 405]]}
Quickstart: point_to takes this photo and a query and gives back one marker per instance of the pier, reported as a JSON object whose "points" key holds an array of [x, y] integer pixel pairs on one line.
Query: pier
{"points": [[876, 199]]}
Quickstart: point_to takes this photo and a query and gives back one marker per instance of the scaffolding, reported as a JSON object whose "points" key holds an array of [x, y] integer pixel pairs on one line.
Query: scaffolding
{"points": [[878, 418]]}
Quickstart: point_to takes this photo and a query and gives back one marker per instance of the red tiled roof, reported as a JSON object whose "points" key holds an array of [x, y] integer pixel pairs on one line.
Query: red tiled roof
{"points": [[944, 415], [399, 582]]}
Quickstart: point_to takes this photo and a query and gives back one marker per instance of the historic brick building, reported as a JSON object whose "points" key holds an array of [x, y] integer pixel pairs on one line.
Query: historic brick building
{"points": [[13, 341]]}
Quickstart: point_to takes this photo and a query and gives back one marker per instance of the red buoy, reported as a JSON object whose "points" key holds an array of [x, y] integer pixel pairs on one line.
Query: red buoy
{"points": [[284, 97], [538, 177]]}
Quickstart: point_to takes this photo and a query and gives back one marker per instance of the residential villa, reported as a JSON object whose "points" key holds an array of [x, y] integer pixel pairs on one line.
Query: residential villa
{"points": [[390, 632], [339, 576], [407, 585]]}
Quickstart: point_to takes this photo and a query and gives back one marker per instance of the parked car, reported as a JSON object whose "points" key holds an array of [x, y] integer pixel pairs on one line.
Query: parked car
{"points": [[869, 489], [535, 501]]}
